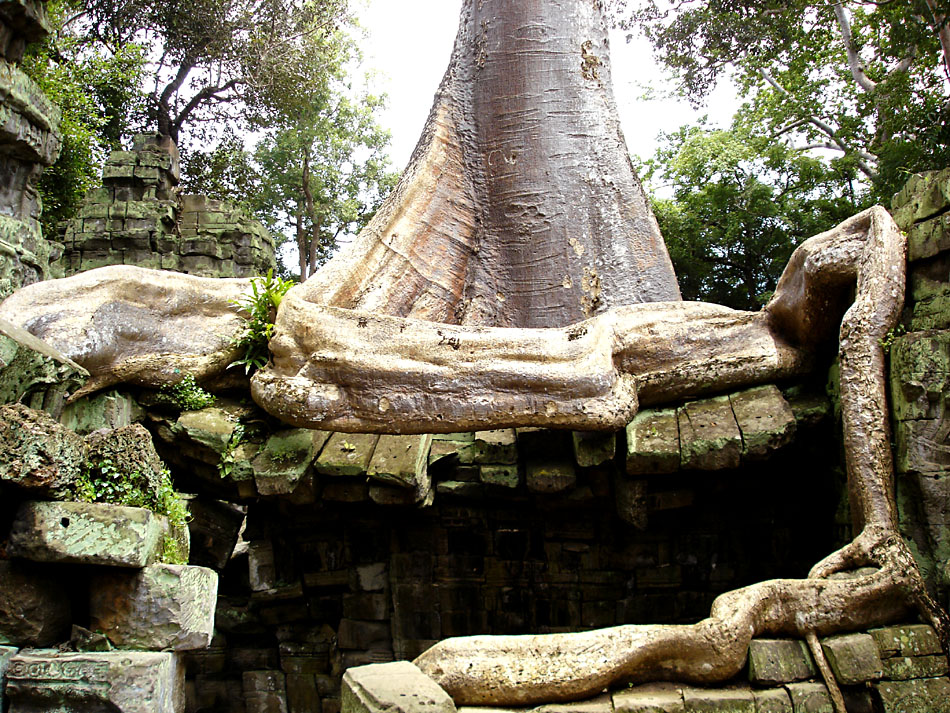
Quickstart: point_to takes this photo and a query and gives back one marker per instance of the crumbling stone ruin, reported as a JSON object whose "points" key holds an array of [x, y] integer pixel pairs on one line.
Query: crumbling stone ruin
{"points": [[317, 563]]}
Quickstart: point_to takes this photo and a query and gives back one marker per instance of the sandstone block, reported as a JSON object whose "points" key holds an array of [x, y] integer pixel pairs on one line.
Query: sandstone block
{"points": [[902, 668], [631, 501], [853, 658], [505, 476], [718, 700], [162, 607], [34, 607], [931, 695], [42, 680], [214, 528], [112, 409], [346, 454], [650, 698], [776, 661], [284, 459], [593, 448], [37, 453], [546, 476], [772, 700], [913, 640], [86, 533], [403, 461], [709, 435], [809, 698], [653, 442], [498, 446], [765, 419], [598, 704], [398, 687], [460, 489]]}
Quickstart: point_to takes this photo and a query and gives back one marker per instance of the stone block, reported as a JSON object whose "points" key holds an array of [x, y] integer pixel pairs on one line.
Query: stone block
{"points": [[592, 448], [111, 409], [38, 454], [649, 698], [460, 489], [262, 572], [284, 458], [777, 661], [922, 197], [549, 475], [365, 606], [765, 420], [364, 635], [265, 692], [772, 700], [214, 528], [403, 461], [42, 680], [372, 577], [709, 435], [498, 446], [922, 446], [631, 501], [86, 533], [911, 640], [928, 238], [920, 375], [6, 653], [398, 687], [809, 698], [34, 606], [853, 658], [505, 476], [653, 442], [302, 693], [930, 695], [718, 700], [902, 668], [445, 453], [598, 704], [162, 607], [346, 454]]}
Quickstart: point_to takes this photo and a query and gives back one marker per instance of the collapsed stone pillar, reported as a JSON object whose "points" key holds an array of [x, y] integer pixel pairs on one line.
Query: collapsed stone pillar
{"points": [[29, 142]]}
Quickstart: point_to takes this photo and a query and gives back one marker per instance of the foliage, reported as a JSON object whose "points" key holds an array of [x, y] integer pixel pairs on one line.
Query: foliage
{"points": [[187, 395], [866, 83], [105, 483], [98, 94], [739, 207], [226, 464], [261, 308]]}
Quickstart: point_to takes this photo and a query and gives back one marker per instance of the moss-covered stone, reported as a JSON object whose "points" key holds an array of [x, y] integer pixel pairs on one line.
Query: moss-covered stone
{"points": [[853, 658], [653, 442], [923, 196], [777, 661], [709, 435], [38, 454]]}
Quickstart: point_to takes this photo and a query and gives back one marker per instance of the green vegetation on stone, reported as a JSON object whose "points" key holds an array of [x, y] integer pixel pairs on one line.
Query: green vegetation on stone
{"points": [[187, 395], [260, 307]]}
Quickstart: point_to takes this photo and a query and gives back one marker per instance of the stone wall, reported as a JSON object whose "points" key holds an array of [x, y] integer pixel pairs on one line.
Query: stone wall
{"points": [[139, 218], [29, 141], [920, 377]]}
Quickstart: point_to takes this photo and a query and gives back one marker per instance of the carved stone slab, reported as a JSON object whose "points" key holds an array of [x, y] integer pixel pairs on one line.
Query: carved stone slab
{"points": [[121, 681], [86, 533], [398, 687]]}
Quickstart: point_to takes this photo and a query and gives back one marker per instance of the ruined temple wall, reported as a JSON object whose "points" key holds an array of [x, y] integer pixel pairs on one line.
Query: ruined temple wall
{"points": [[920, 377], [29, 142], [138, 217]]}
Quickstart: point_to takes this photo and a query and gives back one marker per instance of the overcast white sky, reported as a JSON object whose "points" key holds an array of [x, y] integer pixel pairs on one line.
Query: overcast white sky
{"points": [[409, 43]]}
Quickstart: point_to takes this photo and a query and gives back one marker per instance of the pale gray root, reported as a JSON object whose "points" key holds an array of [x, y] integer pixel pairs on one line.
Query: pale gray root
{"points": [[818, 654], [128, 324]]}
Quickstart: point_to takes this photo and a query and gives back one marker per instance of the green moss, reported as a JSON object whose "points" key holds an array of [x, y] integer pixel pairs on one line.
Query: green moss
{"points": [[187, 395]]}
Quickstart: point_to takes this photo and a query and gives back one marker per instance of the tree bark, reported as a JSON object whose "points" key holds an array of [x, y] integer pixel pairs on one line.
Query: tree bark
{"points": [[520, 207]]}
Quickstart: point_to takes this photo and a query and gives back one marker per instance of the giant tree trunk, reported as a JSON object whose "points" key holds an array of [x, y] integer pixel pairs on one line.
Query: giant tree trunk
{"points": [[520, 207]]}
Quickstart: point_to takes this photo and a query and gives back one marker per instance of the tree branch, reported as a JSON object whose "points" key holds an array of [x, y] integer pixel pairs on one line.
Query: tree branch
{"points": [[854, 59]]}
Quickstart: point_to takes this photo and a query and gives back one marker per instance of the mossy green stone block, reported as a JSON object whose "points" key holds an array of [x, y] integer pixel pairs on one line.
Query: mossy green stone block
{"points": [[902, 668], [776, 661], [496, 446], [548, 476], [912, 640], [505, 476], [920, 374], [346, 454], [400, 460], [653, 442], [929, 238], [592, 448], [444, 451], [922, 197], [284, 458], [853, 658], [86, 533], [766, 421], [718, 700], [772, 700], [709, 435], [809, 698], [931, 695]]}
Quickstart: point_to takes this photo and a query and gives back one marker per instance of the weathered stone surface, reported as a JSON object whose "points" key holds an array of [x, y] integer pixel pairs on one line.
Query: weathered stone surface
{"points": [[928, 238], [265, 692], [110, 409], [920, 375], [902, 668], [127, 452], [162, 607], [86, 533], [505, 476], [772, 700], [28, 364], [42, 680], [650, 698], [262, 573], [631, 500], [912, 640], [922, 197], [776, 661], [709, 435], [809, 698], [653, 442], [403, 461], [214, 528], [460, 489], [284, 459], [599, 704], [34, 606], [346, 454], [593, 449], [718, 700], [930, 695], [37, 453], [498, 446], [765, 420], [853, 658], [549, 475], [398, 687]]}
